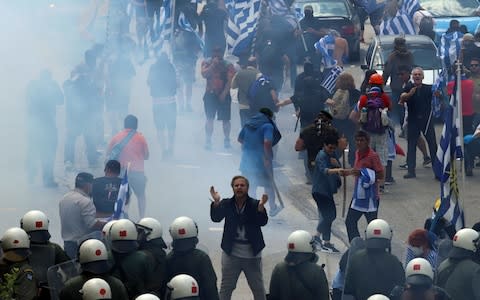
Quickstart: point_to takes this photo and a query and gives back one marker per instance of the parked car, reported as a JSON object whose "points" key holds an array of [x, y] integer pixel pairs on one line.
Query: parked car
{"points": [[339, 15], [423, 49], [443, 11]]}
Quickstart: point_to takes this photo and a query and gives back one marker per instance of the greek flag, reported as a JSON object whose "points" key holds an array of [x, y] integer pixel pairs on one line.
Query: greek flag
{"points": [[243, 17], [166, 21], [326, 47], [438, 85], [402, 22], [450, 46], [331, 79], [184, 24], [444, 166], [121, 205]]}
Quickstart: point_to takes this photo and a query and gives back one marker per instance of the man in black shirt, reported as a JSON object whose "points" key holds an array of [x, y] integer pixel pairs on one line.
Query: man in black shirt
{"points": [[418, 96], [214, 19], [312, 32], [105, 189]]}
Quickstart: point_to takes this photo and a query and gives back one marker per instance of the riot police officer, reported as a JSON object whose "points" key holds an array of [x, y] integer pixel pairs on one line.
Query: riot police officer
{"points": [[459, 274], [134, 268], [147, 297], [106, 233], [183, 286], [186, 259], [96, 289], [299, 276], [44, 253], [16, 250], [419, 283], [374, 270], [378, 297], [151, 241], [94, 261]]}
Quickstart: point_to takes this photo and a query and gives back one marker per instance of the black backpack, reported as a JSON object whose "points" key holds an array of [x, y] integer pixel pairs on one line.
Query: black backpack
{"points": [[426, 24], [260, 95]]}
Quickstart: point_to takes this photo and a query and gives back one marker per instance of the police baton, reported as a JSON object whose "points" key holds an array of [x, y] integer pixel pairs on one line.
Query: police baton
{"points": [[275, 188]]}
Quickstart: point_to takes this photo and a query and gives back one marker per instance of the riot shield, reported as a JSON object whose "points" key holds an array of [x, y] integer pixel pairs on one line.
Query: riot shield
{"points": [[57, 275]]}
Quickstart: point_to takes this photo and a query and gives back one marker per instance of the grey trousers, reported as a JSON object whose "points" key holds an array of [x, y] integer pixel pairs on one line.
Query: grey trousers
{"points": [[232, 266]]}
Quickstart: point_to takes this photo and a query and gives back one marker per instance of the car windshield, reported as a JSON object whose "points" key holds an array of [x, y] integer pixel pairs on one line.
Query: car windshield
{"points": [[426, 58], [326, 8], [450, 8]]}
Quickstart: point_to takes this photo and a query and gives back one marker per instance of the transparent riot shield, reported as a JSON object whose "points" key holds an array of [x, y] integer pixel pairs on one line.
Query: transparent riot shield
{"points": [[57, 275]]}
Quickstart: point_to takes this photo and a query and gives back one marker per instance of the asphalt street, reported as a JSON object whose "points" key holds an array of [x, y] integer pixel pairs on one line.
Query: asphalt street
{"points": [[180, 186]]}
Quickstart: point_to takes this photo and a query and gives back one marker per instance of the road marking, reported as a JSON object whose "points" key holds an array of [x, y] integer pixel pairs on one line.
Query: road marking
{"points": [[188, 166], [215, 228]]}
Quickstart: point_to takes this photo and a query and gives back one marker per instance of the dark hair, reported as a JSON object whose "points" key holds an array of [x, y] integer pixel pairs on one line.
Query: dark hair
{"points": [[82, 179], [130, 122], [330, 140], [362, 134], [239, 177], [113, 166], [266, 111]]}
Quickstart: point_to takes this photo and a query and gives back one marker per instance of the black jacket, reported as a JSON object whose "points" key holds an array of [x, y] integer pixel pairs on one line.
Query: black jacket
{"points": [[252, 220]]}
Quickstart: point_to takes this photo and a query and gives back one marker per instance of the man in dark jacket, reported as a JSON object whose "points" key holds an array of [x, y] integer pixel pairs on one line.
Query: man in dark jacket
{"points": [[258, 137], [242, 240], [299, 276]]}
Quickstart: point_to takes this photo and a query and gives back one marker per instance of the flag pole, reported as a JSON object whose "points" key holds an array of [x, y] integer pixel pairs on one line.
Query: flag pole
{"points": [[460, 127]]}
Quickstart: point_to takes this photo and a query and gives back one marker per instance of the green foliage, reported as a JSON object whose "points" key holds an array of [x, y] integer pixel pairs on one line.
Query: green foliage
{"points": [[7, 284]]}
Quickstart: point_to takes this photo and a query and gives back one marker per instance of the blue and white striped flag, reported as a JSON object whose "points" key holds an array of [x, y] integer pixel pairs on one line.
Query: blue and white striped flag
{"points": [[166, 21], [121, 205], [331, 79], [184, 24], [243, 17], [438, 85], [450, 46], [326, 47], [402, 22], [448, 151]]}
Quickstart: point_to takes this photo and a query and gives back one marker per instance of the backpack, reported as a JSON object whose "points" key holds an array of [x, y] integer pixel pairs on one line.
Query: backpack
{"points": [[259, 95], [426, 24], [373, 121]]}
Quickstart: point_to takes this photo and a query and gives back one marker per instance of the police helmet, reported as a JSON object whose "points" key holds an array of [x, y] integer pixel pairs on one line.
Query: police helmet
{"points": [[378, 234], [419, 272], [147, 297], [93, 256], [301, 241], [35, 223], [150, 229], [123, 236], [182, 286], [184, 232], [96, 289], [465, 243], [106, 230], [378, 297], [15, 244]]}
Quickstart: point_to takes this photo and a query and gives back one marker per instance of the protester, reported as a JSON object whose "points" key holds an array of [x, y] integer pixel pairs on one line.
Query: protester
{"points": [[105, 189], [368, 172], [421, 243], [217, 100], [130, 148], [242, 241], [258, 137]]}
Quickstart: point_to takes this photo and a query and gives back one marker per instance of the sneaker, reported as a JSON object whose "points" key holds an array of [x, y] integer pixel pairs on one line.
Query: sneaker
{"points": [[426, 161], [404, 166], [409, 175], [382, 190], [389, 181], [329, 248], [274, 211], [317, 242], [226, 144]]}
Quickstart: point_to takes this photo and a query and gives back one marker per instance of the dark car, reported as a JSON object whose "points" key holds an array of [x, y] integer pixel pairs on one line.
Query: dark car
{"points": [[423, 49], [339, 15]]}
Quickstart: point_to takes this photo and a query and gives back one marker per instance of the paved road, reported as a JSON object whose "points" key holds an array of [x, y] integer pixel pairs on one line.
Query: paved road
{"points": [[180, 186]]}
